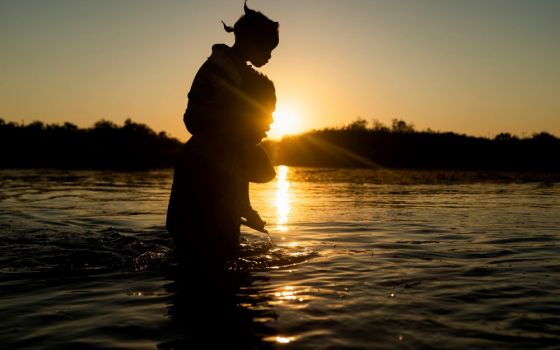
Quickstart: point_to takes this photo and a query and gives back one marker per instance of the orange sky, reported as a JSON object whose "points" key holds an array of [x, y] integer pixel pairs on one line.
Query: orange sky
{"points": [[475, 67]]}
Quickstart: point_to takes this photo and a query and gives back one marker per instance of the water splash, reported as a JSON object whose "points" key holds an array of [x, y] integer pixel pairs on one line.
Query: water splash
{"points": [[58, 250], [258, 254], [42, 249]]}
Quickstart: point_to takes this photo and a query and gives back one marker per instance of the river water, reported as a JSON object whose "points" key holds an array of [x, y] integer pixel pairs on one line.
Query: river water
{"points": [[358, 259]]}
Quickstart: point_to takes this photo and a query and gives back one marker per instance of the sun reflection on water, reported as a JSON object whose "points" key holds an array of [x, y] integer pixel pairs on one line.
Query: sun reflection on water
{"points": [[284, 340], [287, 294], [279, 339], [282, 201]]}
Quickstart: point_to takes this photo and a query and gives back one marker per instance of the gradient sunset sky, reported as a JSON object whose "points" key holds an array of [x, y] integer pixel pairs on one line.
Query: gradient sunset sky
{"points": [[478, 67]]}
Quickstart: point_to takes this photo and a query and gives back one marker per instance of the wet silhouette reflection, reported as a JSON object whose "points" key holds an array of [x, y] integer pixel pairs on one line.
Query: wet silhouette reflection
{"points": [[218, 309]]}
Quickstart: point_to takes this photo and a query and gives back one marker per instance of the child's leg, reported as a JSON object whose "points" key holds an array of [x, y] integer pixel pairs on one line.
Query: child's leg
{"points": [[257, 165]]}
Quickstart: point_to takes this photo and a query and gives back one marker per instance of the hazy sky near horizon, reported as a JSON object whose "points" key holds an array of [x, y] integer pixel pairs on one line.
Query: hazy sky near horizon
{"points": [[477, 67]]}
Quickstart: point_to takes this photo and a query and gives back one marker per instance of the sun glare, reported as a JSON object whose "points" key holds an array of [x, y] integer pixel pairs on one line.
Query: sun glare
{"points": [[286, 122]]}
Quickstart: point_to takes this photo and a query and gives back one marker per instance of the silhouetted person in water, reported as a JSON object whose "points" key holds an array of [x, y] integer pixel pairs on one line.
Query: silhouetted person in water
{"points": [[229, 111]]}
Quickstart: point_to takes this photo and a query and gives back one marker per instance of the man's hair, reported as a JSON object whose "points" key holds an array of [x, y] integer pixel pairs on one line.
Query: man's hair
{"points": [[259, 90]]}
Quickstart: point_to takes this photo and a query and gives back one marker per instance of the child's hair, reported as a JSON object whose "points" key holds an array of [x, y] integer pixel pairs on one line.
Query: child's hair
{"points": [[255, 27]]}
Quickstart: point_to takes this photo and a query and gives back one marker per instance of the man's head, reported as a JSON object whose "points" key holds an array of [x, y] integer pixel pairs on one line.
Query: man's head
{"points": [[259, 95]]}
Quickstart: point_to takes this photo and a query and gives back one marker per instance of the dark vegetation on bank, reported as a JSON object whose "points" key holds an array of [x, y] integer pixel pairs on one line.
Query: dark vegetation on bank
{"points": [[103, 146], [401, 146], [136, 146]]}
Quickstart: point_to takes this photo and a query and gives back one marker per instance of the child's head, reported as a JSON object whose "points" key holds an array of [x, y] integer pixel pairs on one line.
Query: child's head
{"points": [[256, 34]]}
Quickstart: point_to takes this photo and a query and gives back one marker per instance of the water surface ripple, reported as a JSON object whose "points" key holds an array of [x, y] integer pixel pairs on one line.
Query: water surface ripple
{"points": [[360, 259]]}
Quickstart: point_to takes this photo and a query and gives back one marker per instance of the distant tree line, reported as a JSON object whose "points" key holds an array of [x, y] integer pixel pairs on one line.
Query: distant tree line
{"points": [[105, 145], [401, 146], [359, 144]]}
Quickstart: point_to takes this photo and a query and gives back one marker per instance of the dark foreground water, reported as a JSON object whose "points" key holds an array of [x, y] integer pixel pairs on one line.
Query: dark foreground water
{"points": [[360, 259]]}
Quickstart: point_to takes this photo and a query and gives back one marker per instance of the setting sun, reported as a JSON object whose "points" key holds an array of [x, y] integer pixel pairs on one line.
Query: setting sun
{"points": [[286, 121]]}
